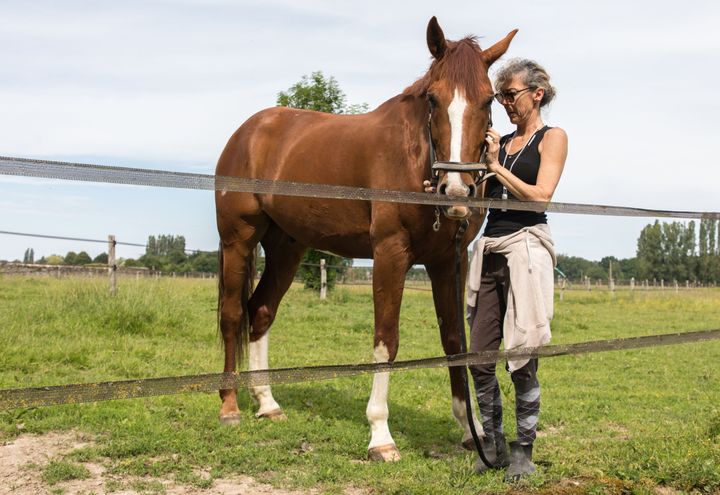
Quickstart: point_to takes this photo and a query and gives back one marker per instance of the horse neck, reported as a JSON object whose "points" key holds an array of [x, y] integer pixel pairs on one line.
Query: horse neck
{"points": [[409, 114]]}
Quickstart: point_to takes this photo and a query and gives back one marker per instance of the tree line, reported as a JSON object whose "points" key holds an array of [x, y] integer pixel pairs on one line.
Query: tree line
{"points": [[665, 251]]}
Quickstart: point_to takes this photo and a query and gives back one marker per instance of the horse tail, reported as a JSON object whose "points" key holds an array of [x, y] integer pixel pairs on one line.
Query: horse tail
{"points": [[221, 289], [242, 337]]}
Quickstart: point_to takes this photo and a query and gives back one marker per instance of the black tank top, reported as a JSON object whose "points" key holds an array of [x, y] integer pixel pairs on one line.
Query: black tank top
{"points": [[500, 223]]}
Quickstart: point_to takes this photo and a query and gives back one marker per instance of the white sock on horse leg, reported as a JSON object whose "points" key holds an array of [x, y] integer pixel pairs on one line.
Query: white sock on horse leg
{"points": [[377, 408], [258, 360], [460, 412]]}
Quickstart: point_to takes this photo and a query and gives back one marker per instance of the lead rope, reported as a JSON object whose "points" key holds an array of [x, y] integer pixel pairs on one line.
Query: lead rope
{"points": [[463, 344]]}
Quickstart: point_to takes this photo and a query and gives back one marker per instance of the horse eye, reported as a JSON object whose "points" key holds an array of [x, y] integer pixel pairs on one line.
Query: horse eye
{"points": [[432, 100]]}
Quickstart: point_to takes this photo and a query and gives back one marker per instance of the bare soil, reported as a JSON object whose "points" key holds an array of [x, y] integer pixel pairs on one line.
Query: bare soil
{"points": [[23, 458]]}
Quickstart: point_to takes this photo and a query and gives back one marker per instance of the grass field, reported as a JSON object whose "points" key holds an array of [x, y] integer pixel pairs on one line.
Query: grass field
{"points": [[620, 422]]}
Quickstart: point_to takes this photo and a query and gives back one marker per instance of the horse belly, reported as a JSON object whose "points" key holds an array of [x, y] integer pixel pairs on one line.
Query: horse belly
{"points": [[338, 226]]}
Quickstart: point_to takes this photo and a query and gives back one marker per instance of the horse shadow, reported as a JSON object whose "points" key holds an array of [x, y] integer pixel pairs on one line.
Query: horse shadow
{"points": [[413, 428]]}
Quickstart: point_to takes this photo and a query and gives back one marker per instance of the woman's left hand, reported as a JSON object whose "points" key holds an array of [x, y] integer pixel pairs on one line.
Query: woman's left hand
{"points": [[492, 138]]}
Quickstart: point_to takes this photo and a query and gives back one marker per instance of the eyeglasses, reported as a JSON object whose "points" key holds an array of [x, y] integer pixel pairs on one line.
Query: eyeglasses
{"points": [[509, 96]]}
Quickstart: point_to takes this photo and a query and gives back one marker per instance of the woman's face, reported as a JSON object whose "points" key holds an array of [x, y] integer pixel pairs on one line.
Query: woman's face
{"points": [[520, 100]]}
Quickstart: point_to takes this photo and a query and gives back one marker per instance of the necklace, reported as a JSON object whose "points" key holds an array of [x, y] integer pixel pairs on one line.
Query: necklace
{"points": [[512, 164]]}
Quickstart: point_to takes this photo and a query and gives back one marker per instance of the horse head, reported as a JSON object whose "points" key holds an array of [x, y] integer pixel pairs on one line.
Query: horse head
{"points": [[460, 96]]}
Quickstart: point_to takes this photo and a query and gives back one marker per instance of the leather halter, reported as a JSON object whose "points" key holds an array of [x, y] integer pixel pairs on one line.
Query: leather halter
{"points": [[477, 169]]}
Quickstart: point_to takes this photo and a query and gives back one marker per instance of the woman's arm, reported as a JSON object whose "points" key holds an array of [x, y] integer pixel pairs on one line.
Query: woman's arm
{"points": [[553, 152]]}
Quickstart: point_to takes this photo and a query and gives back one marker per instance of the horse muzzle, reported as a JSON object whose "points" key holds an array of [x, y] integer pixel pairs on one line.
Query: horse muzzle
{"points": [[457, 212], [457, 188]]}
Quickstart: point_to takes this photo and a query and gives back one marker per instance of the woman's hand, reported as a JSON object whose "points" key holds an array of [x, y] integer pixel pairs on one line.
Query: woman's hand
{"points": [[492, 138], [428, 187]]}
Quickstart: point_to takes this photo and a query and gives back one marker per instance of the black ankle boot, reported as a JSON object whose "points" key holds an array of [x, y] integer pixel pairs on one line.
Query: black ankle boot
{"points": [[495, 451], [521, 464]]}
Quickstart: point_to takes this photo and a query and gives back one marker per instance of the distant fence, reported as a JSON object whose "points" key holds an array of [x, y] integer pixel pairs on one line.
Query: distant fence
{"points": [[60, 271]]}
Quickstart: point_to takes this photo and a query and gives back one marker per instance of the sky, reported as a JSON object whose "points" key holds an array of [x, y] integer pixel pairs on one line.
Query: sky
{"points": [[163, 85]]}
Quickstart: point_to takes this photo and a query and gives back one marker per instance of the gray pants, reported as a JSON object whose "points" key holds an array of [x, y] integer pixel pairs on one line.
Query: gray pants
{"points": [[486, 324]]}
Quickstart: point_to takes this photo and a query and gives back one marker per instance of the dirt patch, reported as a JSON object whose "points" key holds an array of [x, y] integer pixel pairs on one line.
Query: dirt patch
{"points": [[22, 460], [604, 485]]}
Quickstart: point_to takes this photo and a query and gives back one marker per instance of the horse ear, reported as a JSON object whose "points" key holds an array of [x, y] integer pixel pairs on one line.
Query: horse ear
{"points": [[498, 49], [436, 39]]}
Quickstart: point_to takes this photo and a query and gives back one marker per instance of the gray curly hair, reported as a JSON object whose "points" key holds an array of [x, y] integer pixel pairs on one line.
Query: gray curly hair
{"points": [[534, 76]]}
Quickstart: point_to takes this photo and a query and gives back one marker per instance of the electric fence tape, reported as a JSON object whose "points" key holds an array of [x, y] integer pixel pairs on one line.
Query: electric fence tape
{"points": [[160, 178], [92, 392]]}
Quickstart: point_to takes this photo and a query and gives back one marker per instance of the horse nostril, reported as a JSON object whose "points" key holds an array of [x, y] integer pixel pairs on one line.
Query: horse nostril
{"points": [[442, 188], [472, 190]]}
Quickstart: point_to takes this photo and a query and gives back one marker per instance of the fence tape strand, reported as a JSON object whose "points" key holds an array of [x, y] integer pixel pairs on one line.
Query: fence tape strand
{"points": [[102, 391], [26, 167]]}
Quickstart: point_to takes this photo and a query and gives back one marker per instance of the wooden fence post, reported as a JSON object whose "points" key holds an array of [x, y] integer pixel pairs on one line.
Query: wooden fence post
{"points": [[632, 283], [323, 280], [112, 267]]}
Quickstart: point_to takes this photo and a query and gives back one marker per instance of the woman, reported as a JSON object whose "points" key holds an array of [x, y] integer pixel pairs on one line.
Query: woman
{"points": [[510, 283]]}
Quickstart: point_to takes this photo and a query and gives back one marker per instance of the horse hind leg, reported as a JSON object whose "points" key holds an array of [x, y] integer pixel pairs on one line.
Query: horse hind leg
{"points": [[235, 284], [282, 258]]}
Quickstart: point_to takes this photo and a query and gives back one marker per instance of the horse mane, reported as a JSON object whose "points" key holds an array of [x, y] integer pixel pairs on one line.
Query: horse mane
{"points": [[462, 65]]}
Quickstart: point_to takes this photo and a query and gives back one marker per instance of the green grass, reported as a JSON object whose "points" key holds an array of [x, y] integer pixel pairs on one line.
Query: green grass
{"points": [[619, 422], [57, 471]]}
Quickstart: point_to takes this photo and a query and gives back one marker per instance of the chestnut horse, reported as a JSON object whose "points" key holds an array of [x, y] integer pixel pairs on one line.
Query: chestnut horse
{"points": [[387, 148]]}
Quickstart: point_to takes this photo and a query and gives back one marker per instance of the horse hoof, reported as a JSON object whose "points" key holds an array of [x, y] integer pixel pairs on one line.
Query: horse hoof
{"points": [[468, 444], [232, 418], [274, 415], [384, 453]]}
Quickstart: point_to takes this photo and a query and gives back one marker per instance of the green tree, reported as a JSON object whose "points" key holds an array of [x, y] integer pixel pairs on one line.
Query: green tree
{"points": [[319, 93], [29, 256], [83, 258], [71, 258], [101, 258], [709, 262], [204, 261], [166, 253], [629, 269], [651, 259], [322, 94], [310, 268], [54, 259], [577, 268]]}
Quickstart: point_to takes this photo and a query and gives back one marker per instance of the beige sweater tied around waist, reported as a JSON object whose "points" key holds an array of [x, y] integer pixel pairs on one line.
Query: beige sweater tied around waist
{"points": [[531, 260]]}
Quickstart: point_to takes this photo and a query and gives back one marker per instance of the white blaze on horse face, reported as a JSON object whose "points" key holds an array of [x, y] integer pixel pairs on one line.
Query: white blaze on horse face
{"points": [[456, 113], [258, 360], [460, 412], [377, 409]]}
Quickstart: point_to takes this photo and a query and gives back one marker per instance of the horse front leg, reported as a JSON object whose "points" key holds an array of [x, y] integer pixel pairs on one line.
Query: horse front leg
{"points": [[442, 276], [391, 263]]}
